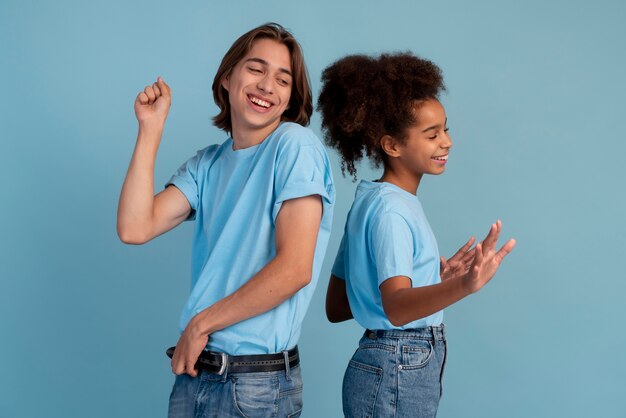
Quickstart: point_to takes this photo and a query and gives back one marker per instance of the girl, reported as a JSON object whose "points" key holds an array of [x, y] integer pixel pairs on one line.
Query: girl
{"points": [[388, 274]]}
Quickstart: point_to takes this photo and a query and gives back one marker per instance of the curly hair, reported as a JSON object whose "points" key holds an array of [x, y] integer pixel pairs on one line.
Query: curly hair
{"points": [[364, 98]]}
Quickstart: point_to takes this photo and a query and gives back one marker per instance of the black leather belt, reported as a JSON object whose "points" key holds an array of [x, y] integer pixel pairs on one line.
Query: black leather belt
{"points": [[219, 363]]}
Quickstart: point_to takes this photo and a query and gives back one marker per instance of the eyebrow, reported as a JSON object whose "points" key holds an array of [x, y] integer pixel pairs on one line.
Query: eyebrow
{"points": [[265, 63], [435, 126]]}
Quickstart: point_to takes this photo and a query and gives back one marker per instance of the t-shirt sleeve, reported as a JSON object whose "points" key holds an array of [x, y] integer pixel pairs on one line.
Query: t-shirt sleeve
{"points": [[302, 169], [392, 244], [186, 180], [339, 267]]}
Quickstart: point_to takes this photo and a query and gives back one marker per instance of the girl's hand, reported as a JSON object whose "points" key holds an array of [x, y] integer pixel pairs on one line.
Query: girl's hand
{"points": [[153, 104], [459, 264], [486, 259]]}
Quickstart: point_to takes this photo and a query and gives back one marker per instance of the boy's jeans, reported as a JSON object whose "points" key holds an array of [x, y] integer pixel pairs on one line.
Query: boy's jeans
{"points": [[252, 395]]}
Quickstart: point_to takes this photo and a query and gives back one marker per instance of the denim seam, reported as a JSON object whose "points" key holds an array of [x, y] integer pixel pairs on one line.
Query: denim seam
{"points": [[291, 391], [422, 364], [198, 407], [385, 347], [274, 382], [379, 376], [365, 367], [443, 367], [295, 414]]}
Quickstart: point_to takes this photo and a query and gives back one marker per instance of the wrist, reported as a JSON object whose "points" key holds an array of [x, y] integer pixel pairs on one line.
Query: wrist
{"points": [[151, 126], [464, 284], [201, 324]]}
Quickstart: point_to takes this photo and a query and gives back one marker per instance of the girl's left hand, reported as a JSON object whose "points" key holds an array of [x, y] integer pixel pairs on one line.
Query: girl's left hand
{"points": [[486, 260], [459, 264]]}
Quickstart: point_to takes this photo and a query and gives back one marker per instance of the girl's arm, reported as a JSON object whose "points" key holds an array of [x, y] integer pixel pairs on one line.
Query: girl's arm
{"points": [[337, 306], [404, 304]]}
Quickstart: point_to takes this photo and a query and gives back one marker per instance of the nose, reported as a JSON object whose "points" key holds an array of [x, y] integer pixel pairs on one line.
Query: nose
{"points": [[447, 141], [266, 85]]}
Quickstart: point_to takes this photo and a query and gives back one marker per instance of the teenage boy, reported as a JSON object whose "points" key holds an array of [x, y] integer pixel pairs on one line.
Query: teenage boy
{"points": [[262, 203]]}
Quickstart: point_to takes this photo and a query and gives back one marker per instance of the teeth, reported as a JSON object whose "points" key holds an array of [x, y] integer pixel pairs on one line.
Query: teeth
{"points": [[442, 158], [259, 101]]}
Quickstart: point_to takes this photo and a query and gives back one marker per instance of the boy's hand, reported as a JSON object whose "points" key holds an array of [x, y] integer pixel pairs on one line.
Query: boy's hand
{"points": [[188, 349], [153, 104], [486, 259]]}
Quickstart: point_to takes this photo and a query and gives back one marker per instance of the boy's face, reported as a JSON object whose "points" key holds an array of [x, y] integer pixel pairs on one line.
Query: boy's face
{"points": [[259, 87]]}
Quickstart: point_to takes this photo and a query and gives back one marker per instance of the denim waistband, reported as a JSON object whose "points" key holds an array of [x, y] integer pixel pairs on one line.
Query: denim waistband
{"points": [[436, 333]]}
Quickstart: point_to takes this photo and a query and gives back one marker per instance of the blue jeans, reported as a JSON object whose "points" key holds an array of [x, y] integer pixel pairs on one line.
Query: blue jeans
{"points": [[396, 374], [243, 395]]}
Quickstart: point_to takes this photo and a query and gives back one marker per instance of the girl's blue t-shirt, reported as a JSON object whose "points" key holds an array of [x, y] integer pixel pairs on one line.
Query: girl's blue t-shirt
{"points": [[386, 235], [235, 197]]}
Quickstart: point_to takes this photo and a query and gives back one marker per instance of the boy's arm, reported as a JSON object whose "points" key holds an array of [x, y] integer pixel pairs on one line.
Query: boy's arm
{"points": [[297, 226], [142, 216], [337, 306], [404, 304]]}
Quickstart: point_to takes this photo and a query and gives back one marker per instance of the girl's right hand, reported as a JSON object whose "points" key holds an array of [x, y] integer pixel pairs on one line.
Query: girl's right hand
{"points": [[486, 259], [153, 104]]}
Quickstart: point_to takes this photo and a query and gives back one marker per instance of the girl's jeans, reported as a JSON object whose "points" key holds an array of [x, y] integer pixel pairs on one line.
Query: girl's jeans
{"points": [[396, 373]]}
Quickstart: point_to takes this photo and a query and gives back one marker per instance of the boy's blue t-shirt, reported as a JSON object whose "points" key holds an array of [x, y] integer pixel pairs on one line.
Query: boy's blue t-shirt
{"points": [[386, 235], [235, 197]]}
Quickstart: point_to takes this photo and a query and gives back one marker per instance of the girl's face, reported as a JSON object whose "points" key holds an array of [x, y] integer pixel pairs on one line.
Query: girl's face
{"points": [[426, 147]]}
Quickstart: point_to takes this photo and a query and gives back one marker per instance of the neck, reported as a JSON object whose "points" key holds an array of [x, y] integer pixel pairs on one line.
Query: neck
{"points": [[244, 137], [402, 178]]}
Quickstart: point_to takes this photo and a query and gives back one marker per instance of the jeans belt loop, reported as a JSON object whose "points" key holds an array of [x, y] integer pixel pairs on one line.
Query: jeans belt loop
{"points": [[224, 364], [286, 356]]}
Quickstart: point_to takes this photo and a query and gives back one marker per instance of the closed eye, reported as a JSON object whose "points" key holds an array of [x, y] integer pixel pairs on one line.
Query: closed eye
{"points": [[436, 135]]}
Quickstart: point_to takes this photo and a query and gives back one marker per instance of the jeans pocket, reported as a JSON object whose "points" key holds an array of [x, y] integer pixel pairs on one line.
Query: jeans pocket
{"points": [[416, 355], [255, 397], [291, 400], [360, 389]]}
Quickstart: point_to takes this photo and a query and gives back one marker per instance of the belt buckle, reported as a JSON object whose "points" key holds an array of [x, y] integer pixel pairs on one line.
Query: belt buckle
{"points": [[224, 364]]}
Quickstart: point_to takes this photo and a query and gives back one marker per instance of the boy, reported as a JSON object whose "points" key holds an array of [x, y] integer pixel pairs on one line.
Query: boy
{"points": [[262, 202]]}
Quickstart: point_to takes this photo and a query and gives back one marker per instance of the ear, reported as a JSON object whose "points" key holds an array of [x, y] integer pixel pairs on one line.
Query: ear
{"points": [[225, 83], [390, 146]]}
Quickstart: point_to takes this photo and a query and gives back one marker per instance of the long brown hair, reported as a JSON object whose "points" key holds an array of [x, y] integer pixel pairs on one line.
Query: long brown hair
{"points": [[300, 103]]}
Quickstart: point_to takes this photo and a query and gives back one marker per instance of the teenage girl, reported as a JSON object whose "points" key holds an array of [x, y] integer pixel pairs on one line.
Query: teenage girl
{"points": [[388, 274]]}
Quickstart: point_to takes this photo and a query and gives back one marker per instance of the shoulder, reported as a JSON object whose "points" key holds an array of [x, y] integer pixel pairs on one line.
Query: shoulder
{"points": [[291, 136], [389, 205], [208, 153]]}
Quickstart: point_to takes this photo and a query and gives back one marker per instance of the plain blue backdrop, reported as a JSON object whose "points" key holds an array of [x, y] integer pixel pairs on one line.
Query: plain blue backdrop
{"points": [[536, 111]]}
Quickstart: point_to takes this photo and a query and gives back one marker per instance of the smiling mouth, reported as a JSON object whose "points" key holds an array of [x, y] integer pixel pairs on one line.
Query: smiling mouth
{"points": [[259, 102], [442, 158]]}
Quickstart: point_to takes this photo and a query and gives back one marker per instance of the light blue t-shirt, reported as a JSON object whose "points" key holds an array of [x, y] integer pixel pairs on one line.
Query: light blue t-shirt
{"points": [[386, 235], [235, 197]]}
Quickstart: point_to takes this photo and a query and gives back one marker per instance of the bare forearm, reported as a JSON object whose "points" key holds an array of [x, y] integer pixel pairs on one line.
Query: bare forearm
{"points": [[135, 208], [337, 304], [271, 286], [410, 304], [339, 312]]}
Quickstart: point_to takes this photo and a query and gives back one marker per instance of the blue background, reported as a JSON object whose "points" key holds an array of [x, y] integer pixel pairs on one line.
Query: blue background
{"points": [[535, 107]]}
